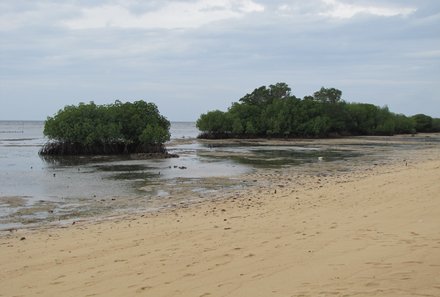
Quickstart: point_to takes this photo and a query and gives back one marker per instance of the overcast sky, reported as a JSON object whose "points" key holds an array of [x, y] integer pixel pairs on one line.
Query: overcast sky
{"points": [[191, 56]]}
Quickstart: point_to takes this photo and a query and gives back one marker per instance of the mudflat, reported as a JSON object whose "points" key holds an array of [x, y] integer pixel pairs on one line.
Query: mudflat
{"points": [[369, 232]]}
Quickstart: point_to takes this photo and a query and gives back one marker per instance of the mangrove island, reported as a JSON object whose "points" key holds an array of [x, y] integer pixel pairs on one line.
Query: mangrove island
{"points": [[274, 112], [119, 128]]}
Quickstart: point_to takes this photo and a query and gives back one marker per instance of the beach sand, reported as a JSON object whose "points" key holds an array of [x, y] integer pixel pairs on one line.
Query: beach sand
{"points": [[372, 232]]}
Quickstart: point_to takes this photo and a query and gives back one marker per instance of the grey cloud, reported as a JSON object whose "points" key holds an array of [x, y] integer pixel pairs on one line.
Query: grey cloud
{"points": [[383, 60]]}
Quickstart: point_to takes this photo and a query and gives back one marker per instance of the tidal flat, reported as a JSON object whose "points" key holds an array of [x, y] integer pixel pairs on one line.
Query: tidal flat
{"points": [[38, 192], [361, 225]]}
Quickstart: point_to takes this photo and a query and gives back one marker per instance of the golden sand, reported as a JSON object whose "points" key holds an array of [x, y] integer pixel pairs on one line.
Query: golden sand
{"points": [[371, 233]]}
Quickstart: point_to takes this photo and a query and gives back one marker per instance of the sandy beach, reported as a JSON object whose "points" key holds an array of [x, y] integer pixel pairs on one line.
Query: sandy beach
{"points": [[370, 232]]}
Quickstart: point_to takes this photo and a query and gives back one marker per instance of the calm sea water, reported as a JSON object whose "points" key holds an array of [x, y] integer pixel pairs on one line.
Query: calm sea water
{"points": [[35, 190]]}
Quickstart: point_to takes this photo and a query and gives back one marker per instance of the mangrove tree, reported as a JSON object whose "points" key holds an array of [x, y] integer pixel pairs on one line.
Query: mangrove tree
{"points": [[119, 128], [274, 112]]}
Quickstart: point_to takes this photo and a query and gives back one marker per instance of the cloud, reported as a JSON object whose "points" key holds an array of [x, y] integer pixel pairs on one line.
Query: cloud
{"points": [[340, 10], [425, 54], [173, 15], [55, 53]]}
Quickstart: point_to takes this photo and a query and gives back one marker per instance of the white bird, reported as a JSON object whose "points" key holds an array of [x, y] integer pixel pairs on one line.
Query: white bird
{"points": [[320, 158]]}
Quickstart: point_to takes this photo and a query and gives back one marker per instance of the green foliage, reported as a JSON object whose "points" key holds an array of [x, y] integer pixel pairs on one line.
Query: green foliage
{"points": [[273, 112], [386, 127], [423, 123], [137, 123], [435, 125], [363, 118], [264, 95], [213, 122], [250, 128], [237, 126], [331, 95], [403, 124], [154, 135]]}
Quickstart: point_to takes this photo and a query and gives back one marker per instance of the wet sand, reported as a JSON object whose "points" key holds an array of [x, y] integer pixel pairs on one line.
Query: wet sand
{"points": [[373, 231], [35, 192]]}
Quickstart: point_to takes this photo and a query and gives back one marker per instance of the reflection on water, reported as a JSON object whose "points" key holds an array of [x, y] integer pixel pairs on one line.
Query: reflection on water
{"points": [[35, 190], [275, 157]]}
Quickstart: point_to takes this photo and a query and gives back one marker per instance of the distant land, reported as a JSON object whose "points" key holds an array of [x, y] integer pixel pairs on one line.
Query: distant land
{"points": [[274, 112]]}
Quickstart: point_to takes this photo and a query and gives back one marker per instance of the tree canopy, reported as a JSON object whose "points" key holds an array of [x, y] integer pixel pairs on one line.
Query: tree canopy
{"points": [[274, 112], [112, 128]]}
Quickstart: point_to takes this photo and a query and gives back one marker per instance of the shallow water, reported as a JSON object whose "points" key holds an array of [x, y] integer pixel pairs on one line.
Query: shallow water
{"points": [[35, 190], [275, 157]]}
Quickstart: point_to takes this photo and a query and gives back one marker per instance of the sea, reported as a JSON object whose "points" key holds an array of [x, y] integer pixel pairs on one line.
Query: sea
{"points": [[35, 190], [39, 191]]}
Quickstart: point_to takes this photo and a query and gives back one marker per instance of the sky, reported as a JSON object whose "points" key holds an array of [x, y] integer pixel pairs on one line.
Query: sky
{"points": [[192, 56]]}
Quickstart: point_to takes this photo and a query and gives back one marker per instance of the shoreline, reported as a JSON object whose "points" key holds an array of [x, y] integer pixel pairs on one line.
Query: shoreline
{"points": [[373, 231], [257, 177]]}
